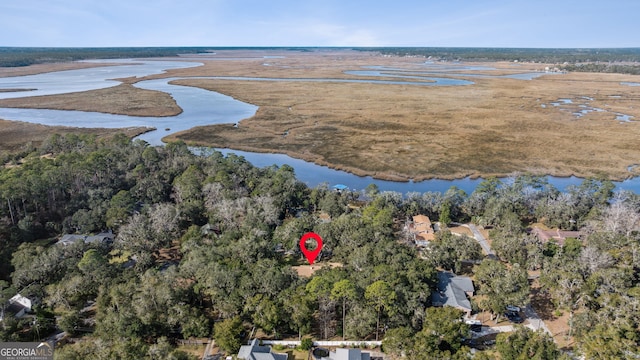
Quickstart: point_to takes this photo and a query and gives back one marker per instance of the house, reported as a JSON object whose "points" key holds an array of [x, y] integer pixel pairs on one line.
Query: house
{"points": [[422, 231], [453, 291], [102, 238], [256, 352], [340, 187], [18, 306], [559, 236], [348, 354]]}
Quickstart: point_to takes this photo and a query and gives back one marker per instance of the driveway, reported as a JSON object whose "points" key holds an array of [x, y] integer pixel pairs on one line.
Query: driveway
{"points": [[535, 322], [489, 330], [481, 240]]}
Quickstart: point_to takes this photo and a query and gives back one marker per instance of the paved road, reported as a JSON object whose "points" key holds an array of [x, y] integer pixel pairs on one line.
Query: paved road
{"points": [[481, 240], [535, 322], [488, 330]]}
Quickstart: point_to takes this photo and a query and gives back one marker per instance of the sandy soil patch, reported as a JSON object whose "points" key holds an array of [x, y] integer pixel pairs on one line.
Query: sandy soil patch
{"points": [[461, 230], [308, 270], [195, 350], [558, 323]]}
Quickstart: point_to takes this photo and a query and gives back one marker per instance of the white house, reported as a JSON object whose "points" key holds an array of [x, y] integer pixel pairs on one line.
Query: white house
{"points": [[17, 307]]}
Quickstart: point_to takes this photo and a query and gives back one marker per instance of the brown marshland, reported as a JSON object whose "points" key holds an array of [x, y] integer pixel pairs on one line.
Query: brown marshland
{"points": [[495, 127]]}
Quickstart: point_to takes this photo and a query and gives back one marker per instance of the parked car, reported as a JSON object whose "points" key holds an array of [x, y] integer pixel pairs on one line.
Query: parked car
{"points": [[474, 325], [514, 317], [512, 308]]}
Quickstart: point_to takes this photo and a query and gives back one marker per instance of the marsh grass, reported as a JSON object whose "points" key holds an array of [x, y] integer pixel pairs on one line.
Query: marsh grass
{"points": [[14, 135], [495, 127], [122, 99], [399, 132]]}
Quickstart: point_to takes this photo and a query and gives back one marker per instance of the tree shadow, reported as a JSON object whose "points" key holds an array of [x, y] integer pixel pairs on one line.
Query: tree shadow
{"points": [[542, 304]]}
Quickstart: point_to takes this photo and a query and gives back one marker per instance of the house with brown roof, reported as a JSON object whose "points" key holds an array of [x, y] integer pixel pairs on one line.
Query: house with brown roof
{"points": [[559, 236], [422, 230]]}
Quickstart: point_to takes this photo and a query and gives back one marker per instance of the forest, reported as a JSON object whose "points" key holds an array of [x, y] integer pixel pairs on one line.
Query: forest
{"points": [[604, 68], [204, 246], [24, 56], [544, 55]]}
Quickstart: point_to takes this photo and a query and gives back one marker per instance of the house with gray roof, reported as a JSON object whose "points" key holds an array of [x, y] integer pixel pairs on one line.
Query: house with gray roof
{"points": [[255, 351], [348, 354], [104, 237], [453, 291]]}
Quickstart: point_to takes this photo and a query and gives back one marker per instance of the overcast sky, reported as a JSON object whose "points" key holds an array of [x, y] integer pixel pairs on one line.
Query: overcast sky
{"points": [[469, 23]]}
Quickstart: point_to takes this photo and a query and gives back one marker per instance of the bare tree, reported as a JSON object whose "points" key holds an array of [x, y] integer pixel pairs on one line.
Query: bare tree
{"points": [[620, 218], [593, 259]]}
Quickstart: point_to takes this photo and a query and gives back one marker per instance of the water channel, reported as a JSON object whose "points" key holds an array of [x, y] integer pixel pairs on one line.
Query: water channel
{"points": [[202, 107]]}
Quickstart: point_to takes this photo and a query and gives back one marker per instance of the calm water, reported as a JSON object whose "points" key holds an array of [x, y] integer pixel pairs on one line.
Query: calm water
{"points": [[202, 107], [313, 175], [62, 82]]}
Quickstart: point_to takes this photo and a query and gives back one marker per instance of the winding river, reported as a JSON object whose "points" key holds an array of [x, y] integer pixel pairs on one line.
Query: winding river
{"points": [[202, 107]]}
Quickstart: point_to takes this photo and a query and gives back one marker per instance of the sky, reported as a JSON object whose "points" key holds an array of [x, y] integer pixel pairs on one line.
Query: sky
{"points": [[350, 23]]}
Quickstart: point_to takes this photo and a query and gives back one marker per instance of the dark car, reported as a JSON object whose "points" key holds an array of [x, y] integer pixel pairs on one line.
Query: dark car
{"points": [[514, 317], [474, 325]]}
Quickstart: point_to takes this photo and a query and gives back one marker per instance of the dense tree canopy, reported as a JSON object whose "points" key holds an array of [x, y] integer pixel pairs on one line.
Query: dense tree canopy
{"points": [[208, 246]]}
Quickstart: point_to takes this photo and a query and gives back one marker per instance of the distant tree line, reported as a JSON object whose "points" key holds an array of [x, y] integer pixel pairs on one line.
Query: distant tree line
{"points": [[604, 68], [520, 54], [24, 56]]}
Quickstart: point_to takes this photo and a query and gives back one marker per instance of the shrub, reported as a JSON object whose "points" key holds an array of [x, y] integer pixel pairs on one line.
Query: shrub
{"points": [[306, 344]]}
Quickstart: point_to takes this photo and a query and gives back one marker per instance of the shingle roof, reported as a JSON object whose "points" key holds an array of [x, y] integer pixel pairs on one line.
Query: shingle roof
{"points": [[348, 354], [453, 291], [256, 352], [68, 239]]}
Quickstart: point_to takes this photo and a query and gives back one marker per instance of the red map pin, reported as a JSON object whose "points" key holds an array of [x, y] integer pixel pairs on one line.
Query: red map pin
{"points": [[311, 255]]}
